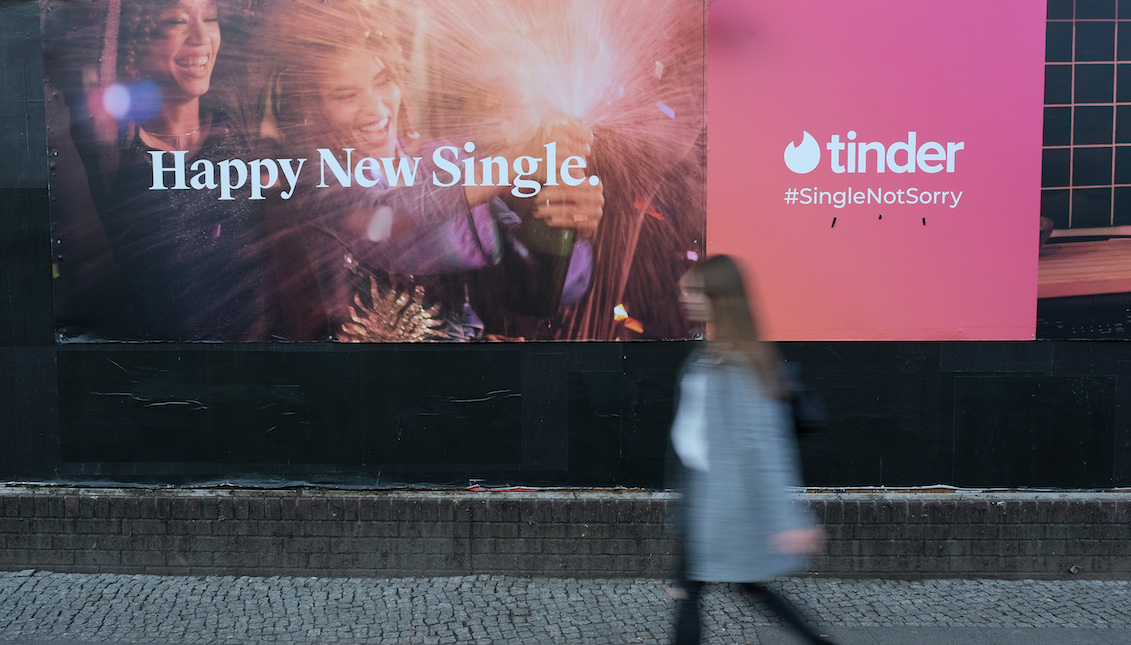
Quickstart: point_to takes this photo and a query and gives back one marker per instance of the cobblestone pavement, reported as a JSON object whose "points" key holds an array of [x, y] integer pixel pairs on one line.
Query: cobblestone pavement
{"points": [[43, 607]]}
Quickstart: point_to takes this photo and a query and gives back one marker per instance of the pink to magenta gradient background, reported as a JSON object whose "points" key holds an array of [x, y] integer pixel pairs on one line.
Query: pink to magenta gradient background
{"points": [[961, 70]]}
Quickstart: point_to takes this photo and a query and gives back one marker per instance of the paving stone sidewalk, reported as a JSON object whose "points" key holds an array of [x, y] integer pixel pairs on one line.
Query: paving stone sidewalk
{"points": [[37, 608]]}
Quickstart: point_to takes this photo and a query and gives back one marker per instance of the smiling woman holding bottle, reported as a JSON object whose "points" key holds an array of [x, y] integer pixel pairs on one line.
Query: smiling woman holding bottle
{"points": [[394, 262], [193, 265]]}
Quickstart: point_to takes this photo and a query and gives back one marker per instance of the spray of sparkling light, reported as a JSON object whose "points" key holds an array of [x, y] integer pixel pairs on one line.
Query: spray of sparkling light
{"points": [[630, 70], [501, 69]]}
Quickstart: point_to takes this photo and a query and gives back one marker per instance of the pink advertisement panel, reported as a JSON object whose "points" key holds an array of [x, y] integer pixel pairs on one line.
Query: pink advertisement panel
{"points": [[876, 163]]}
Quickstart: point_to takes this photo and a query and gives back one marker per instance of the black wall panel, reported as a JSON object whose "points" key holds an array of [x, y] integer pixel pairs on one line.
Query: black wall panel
{"points": [[1036, 414], [1056, 429], [1121, 467]]}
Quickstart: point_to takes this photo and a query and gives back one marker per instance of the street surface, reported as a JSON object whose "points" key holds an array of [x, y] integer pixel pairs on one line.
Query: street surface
{"points": [[37, 608]]}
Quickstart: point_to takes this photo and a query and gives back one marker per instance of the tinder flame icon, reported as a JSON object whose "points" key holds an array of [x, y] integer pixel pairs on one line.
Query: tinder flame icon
{"points": [[803, 158]]}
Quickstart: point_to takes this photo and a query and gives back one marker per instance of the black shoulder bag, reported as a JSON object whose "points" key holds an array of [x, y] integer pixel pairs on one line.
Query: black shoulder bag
{"points": [[809, 416]]}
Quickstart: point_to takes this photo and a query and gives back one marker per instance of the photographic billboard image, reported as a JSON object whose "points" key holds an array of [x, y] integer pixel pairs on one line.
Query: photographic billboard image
{"points": [[372, 171]]}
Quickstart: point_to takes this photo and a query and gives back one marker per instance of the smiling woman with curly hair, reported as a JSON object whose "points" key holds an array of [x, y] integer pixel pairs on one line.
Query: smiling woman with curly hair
{"points": [[193, 266]]}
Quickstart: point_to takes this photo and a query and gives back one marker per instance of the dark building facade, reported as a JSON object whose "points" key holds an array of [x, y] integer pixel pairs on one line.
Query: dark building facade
{"points": [[1047, 413]]}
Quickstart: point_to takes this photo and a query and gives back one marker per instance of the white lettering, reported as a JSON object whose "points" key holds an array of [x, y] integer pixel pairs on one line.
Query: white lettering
{"points": [[325, 157], [401, 172], [552, 164], [864, 148], [835, 146], [952, 149], [447, 166], [930, 152], [258, 181], [368, 172], [291, 175], [569, 164], [524, 167], [226, 184], [490, 165], [206, 178], [908, 149], [159, 169], [899, 157]]}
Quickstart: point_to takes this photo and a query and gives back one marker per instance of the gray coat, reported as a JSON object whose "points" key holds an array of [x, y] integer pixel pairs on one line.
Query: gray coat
{"points": [[732, 509]]}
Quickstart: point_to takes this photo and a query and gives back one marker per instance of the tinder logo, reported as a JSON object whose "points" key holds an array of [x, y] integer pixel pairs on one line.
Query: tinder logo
{"points": [[851, 156], [803, 158]]}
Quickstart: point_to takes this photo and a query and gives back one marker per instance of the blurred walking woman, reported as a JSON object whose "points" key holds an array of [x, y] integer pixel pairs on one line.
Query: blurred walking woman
{"points": [[193, 264], [733, 436]]}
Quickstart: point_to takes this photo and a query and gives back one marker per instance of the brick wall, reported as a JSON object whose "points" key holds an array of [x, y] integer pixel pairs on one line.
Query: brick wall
{"points": [[1010, 535], [569, 534]]}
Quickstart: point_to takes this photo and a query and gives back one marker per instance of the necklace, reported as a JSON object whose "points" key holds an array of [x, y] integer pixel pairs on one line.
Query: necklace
{"points": [[172, 141], [161, 134]]}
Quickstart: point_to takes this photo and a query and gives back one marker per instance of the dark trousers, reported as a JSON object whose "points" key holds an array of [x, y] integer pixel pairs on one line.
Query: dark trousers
{"points": [[687, 630]]}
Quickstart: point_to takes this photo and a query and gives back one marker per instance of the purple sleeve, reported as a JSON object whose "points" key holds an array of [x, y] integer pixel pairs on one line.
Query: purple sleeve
{"points": [[580, 274], [422, 229]]}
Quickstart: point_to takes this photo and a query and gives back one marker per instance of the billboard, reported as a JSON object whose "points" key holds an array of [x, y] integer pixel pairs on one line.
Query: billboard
{"points": [[877, 163], [391, 171], [370, 171]]}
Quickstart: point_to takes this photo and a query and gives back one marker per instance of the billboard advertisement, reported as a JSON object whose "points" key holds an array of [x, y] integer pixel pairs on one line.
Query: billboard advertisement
{"points": [[374, 171], [390, 171], [880, 164]]}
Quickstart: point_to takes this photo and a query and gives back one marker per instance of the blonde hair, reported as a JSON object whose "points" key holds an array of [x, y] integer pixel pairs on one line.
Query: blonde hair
{"points": [[735, 324]]}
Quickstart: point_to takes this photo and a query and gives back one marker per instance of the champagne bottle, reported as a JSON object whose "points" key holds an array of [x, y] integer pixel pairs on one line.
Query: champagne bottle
{"points": [[537, 266]]}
